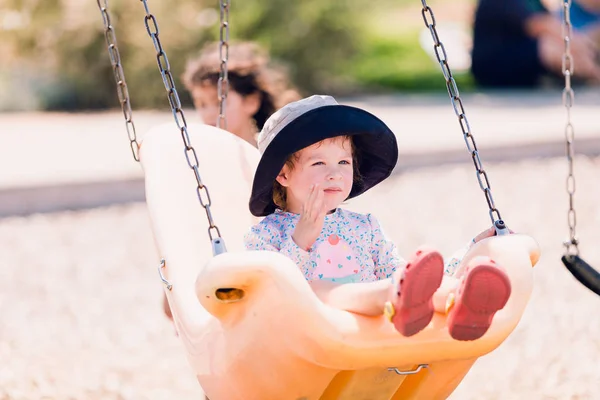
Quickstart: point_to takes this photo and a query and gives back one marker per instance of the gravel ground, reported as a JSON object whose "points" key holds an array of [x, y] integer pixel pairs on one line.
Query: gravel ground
{"points": [[80, 299]]}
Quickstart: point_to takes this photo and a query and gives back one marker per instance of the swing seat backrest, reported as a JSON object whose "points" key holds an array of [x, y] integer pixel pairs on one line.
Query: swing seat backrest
{"points": [[251, 326]]}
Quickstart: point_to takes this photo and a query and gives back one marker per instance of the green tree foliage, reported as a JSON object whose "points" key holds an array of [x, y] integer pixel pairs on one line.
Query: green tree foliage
{"points": [[57, 47]]}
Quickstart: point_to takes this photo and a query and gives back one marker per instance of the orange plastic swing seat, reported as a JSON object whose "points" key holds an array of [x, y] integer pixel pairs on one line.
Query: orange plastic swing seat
{"points": [[252, 327]]}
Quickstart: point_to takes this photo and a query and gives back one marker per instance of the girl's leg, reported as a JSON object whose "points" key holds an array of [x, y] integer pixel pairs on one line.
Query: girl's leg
{"points": [[360, 298], [411, 307], [470, 302], [483, 291], [407, 298], [370, 298]]}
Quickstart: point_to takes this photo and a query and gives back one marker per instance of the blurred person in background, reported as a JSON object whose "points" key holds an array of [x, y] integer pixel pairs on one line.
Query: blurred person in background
{"points": [[518, 43], [256, 88], [585, 16]]}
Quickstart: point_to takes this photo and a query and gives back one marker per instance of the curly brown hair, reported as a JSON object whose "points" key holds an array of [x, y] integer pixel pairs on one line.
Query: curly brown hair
{"points": [[279, 193], [250, 71]]}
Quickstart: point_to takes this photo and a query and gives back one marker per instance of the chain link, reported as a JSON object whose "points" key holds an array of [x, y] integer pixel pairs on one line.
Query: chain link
{"points": [[190, 153], [457, 104], [568, 99], [223, 84], [122, 92]]}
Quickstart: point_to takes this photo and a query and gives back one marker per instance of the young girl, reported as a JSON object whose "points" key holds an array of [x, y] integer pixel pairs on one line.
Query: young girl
{"points": [[315, 155], [256, 89]]}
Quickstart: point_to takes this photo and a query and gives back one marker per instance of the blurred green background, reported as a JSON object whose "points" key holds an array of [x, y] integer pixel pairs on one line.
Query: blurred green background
{"points": [[55, 57]]}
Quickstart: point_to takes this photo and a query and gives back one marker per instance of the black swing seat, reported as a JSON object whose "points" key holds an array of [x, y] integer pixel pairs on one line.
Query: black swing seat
{"points": [[583, 272]]}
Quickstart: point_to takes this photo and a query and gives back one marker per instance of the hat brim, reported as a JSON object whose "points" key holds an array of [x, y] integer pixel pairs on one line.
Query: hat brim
{"points": [[376, 145]]}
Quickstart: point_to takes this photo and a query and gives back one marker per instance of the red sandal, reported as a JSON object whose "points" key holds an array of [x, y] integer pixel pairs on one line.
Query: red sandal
{"points": [[485, 290], [412, 309]]}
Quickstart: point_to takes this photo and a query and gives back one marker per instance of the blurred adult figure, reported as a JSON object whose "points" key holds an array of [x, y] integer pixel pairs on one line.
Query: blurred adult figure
{"points": [[256, 87], [516, 43]]}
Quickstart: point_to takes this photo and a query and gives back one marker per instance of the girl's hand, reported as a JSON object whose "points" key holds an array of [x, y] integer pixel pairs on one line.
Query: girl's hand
{"points": [[311, 220]]}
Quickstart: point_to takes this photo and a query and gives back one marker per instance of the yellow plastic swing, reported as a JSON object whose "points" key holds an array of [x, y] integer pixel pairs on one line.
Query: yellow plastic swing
{"points": [[252, 327], [250, 324]]}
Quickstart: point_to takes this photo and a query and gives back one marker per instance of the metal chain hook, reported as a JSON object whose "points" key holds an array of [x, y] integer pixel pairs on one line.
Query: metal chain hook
{"points": [[457, 104], [568, 99]]}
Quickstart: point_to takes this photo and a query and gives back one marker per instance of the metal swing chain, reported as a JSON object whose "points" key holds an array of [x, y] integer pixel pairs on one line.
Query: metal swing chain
{"points": [[122, 92], [190, 153], [568, 99], [223, 83], [457, 104]]}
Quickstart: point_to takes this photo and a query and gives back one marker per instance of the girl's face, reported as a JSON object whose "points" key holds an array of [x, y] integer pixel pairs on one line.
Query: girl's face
{"points": [[327, 164], [239, 109]]}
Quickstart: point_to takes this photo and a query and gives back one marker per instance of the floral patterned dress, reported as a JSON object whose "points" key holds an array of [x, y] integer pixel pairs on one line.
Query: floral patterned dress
{"points": [[352, 247]]}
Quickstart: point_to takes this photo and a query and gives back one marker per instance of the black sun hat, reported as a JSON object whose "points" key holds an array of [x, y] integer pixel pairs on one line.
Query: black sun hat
{"points": [[308, 121]]}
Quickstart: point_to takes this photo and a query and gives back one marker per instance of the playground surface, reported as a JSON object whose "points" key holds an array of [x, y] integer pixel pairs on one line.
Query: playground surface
{"points": [[80, 298]]}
